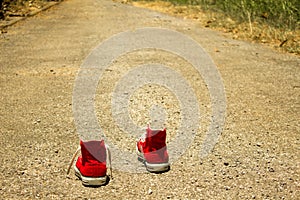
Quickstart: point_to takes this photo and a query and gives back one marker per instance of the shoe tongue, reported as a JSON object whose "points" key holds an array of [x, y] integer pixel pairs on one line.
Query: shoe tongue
{"points": [[93, 150]]}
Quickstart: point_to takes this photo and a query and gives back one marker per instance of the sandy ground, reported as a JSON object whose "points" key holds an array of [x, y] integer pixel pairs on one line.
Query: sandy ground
{"points": [[257, 156]]}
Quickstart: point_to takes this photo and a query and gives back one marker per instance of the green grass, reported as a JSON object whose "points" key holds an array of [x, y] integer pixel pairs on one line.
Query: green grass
{"points": [[277, 13]]}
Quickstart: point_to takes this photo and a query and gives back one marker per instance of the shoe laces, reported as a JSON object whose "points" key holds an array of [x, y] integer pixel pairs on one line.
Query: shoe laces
{"points": [[109, 160], [78, 150], [72, 160]]}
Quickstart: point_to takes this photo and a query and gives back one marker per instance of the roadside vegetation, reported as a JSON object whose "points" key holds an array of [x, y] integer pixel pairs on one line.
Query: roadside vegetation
{"points": [[277, 13], [273, 22], [19, 8]]}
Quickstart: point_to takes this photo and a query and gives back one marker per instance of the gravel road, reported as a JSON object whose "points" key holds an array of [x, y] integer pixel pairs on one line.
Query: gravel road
{"points": [[256, 157]]}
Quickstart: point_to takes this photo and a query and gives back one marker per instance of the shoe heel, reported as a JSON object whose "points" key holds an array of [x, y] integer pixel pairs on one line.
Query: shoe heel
{"points": [[157, 168], [91, 181]]}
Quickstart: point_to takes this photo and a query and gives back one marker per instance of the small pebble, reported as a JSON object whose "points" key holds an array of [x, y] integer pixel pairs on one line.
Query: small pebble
{"points": [[271, 169], [258, 144]]}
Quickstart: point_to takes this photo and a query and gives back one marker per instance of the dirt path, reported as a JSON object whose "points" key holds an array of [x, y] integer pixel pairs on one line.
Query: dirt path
{"points": [[257, 156]]}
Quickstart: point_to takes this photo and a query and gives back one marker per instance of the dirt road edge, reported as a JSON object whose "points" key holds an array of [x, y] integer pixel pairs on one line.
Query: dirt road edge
{"points": [[14, 21]]}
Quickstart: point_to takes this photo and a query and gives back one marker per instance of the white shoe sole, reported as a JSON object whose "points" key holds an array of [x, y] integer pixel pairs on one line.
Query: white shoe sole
{"points": [[153, 167], [90, 181]]}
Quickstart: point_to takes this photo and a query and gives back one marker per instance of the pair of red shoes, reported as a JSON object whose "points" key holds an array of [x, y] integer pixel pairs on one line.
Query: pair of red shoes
{"points": [[91, 164]]}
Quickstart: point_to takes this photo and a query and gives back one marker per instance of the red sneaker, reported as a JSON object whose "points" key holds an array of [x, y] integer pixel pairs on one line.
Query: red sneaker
{"points": [[91, 164], [152, 150]]}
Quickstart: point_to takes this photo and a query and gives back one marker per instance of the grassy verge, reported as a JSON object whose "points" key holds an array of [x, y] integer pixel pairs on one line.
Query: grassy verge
{"points": [[273, 22], [19, 8], [277, 13]]}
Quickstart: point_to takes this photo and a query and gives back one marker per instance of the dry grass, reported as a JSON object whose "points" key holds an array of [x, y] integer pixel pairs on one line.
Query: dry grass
{"points": [[250, 28], [20, 8]]}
